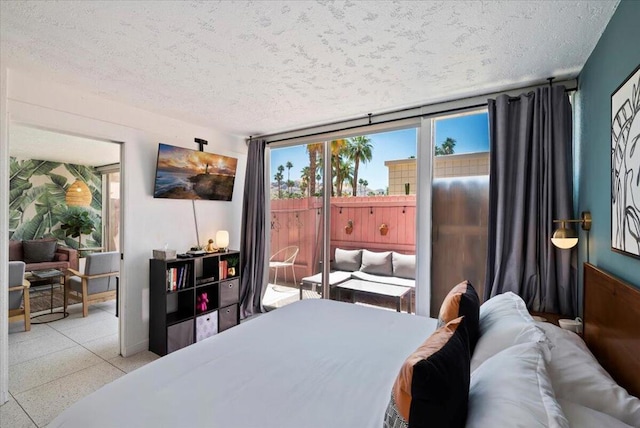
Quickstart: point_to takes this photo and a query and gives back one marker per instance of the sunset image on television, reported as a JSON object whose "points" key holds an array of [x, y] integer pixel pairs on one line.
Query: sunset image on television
{"points": [[190, 174]]}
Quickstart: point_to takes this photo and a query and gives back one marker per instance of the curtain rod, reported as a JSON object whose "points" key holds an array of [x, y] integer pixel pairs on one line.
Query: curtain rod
{"points": [[447, 108]]}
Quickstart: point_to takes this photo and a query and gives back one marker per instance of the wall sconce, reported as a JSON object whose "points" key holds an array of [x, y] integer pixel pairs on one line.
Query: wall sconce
{"points": [[349, 227], [566, 238], [78, 194], [384, 229], [222, 240]]}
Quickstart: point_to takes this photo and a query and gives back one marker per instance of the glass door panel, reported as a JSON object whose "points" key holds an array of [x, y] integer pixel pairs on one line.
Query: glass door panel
{"points": [[460, 200], [296, 224], [373, 208]]}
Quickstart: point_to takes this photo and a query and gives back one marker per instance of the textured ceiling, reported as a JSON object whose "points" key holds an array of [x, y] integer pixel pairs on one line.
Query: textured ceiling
{"points": [[252, 67]]}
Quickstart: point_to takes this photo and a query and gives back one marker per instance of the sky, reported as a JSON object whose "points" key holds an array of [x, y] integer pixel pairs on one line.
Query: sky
{"points": [[471, 133]]}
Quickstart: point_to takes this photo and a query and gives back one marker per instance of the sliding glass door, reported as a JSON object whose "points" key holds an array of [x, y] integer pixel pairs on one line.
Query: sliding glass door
{"points": [[372, 208]]}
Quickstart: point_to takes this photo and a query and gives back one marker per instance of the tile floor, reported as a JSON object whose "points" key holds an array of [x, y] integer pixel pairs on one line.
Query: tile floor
{"points": [[56, 364]]}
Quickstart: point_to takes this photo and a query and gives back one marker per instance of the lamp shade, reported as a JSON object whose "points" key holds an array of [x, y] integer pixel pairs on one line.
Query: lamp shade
{"points": [[564, 238], [78, 194], [222, 239]]}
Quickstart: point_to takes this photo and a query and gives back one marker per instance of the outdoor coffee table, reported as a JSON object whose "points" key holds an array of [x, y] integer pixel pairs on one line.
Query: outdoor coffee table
{"points": [[368, 287], [48, 274]]}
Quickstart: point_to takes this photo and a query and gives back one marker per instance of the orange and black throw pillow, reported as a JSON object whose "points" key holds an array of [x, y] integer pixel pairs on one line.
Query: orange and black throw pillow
{"points": [[432, 388], [462, 300]]}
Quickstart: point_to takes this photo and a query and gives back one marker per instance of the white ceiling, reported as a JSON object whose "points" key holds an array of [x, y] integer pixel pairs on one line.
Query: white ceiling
{"points": [[251, 67], [26, 142]]}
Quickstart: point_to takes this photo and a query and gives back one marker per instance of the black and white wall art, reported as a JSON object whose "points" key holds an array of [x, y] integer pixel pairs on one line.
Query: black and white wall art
{"points": [[625, 166]]}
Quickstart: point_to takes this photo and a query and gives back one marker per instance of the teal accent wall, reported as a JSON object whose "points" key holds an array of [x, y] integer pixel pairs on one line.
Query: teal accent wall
{"points": [[614, 58]]}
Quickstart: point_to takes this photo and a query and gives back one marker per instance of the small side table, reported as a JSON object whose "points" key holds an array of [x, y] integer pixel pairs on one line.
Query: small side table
{"points": [[51, 316]]}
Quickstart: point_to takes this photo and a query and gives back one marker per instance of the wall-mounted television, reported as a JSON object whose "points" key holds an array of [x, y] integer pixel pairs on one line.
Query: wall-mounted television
{"points": [[190, 174]]}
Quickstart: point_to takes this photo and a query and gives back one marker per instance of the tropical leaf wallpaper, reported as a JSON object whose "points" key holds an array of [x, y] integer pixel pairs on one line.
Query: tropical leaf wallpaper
{"points": [[37, 200]]}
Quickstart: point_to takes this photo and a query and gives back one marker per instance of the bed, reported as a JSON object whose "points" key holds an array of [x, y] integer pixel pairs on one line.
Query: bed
{"points": [[320, 363]]}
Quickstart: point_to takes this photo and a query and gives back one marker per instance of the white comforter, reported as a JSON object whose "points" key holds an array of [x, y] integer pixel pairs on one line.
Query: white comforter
{"points": [[315, 363]]}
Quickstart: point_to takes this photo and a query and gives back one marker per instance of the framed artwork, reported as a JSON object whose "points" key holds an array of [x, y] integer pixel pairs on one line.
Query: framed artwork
{"points": [[625, 166]]}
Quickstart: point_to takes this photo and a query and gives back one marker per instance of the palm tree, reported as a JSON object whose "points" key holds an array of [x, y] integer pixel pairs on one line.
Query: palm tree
{"points": [[314, 150], [305, 179], [289, 165], [447, 147], [361, 183], [359, 150], [365, 183], [338, 152], [345, 173], [279, 177]]}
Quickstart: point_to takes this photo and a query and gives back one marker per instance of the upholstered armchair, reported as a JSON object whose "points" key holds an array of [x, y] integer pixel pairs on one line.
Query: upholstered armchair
{"points": [[97, 283], [19, 293]]}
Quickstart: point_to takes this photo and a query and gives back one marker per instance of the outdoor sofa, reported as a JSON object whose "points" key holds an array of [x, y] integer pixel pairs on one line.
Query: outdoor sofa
{"points": [[388, 267]]}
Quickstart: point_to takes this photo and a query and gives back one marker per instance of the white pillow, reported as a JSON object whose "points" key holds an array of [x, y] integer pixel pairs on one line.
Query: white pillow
{"points": [[504, 322], [503, 308], [578, 377], [503, 336], [584, 417], [513, 389]]}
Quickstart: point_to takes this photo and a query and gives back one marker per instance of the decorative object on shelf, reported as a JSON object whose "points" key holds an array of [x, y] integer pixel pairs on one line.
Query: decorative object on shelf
{"points": [[78, 194], [384, 229], [625, 166], [222, 240], [77, 222], [232, 264], [349, 227], [210, 248], [566, 238], [202, 302], [164, 254]]}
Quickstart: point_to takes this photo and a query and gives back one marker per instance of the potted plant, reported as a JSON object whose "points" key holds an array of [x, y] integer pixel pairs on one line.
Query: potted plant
{"points": [[232, 264], [77, 222]]}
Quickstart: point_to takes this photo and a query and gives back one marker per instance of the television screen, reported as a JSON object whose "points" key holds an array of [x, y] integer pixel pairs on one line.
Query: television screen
{"points": [[190, 174]]}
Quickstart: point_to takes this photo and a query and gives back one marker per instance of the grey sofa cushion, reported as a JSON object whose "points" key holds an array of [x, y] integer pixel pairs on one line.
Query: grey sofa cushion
{"points": [[347, 260], [376, 263], [39, 250], [404, 265]]}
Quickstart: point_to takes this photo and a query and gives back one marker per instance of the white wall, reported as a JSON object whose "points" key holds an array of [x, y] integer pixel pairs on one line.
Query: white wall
{"points": [[148, 223]]}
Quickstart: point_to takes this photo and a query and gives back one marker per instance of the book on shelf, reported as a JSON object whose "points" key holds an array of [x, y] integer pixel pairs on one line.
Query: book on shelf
{"points": [[223, 265]]}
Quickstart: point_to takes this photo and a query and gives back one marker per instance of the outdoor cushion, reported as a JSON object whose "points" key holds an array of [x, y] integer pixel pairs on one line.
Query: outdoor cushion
{"points": [[39, 250], [347, 260], [404, 265], [376, 263]]}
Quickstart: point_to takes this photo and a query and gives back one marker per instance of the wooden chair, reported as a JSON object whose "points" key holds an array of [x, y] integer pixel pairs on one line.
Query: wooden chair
{"points": [[284, 258], [96, 284], [19, 292]]}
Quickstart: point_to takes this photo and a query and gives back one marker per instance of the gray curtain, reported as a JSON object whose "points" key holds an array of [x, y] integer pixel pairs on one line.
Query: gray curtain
{"points": [[253, 242], [531, 184]]}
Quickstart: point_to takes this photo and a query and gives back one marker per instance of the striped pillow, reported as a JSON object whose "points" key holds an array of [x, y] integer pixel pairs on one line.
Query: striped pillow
{"points": [[432, 388], [462, 300]]}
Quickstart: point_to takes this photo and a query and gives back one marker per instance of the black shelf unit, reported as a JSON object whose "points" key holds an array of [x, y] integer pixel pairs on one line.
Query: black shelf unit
{"points": [[192, 299]]}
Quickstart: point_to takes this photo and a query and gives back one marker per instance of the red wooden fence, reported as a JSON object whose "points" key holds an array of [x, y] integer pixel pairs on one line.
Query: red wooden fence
{"points": [[299, 222]]}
